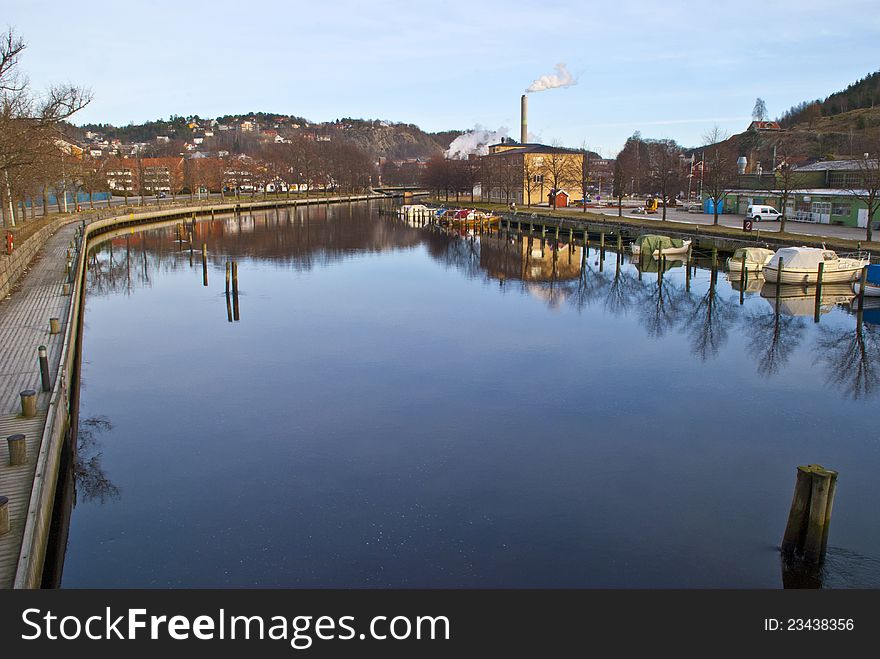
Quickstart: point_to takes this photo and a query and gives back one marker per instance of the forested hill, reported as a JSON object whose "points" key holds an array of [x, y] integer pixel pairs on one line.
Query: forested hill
{"points": [[859, 95]]}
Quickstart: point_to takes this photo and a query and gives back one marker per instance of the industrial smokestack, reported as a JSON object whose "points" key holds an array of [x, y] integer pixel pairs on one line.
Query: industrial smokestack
{"points": [[524, 131]]}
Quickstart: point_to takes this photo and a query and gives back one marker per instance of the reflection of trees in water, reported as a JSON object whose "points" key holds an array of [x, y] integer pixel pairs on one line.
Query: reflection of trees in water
{"points": [[623, 291], [773, 337], [302, 238], [709, 321], [92, 482], [851, 358], [662, 306]]}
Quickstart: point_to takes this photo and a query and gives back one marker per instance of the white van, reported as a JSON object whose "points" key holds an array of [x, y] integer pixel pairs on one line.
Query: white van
{"points": [[758, 213]]}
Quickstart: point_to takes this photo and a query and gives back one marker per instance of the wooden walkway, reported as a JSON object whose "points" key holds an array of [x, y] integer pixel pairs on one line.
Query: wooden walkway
{"points": [[24, 326]]}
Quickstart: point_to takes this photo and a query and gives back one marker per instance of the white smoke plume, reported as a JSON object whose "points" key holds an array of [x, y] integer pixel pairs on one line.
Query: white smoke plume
{"points": [[562, 78], [475, 141]]}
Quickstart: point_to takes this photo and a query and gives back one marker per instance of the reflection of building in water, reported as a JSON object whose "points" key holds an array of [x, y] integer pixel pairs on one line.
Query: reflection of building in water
{"points": [[530, 260]]}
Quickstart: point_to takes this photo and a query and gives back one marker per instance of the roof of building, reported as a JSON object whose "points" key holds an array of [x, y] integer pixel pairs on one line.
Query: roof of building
{"points": [[835, 165], [529, 147]]}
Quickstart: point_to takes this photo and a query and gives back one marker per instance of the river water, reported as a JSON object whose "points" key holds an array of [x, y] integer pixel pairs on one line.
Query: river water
{"points": [[399, 407]]}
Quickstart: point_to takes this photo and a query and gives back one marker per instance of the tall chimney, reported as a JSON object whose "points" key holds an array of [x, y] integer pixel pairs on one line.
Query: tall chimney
{"points": [[524, 130]]}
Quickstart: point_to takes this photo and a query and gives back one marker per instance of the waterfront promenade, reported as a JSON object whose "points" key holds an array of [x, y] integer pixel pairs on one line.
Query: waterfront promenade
{"points": [[24, 326]]}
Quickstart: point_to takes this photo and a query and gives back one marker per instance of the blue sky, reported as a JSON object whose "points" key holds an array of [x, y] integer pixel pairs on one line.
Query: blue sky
{"points": [[668, 69]]}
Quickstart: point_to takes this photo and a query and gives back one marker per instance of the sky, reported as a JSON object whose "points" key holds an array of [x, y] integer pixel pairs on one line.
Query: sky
{"points": [[667, 69]]}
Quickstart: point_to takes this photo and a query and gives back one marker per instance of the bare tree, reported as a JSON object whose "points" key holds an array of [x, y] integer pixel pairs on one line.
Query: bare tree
{"points": [[867, 187], [787, 179], [719, 166], [665, 168], [561, 168], [759, 112]]}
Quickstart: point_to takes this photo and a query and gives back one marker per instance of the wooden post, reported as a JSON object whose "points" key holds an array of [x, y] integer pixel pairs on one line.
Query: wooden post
{"points": [[863, 283], [28, 403], [742, 280], [65, 289], [17, 450], [779, 269], [824, 482], [619, 243], [810, 516], [687, 271], [235, 308], [602, 241], [54, 325], [818, 309], [204, 264], [660, 263], [44, 368], [228, 267], [4, 515], [714, 257]]}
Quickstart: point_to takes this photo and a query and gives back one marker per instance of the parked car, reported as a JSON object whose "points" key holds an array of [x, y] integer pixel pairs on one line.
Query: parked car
{"points": [[162, 195], [758, 213]]}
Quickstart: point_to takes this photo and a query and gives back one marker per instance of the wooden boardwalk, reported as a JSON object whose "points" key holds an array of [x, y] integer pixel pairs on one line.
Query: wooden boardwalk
{"points": [[24, 326]]}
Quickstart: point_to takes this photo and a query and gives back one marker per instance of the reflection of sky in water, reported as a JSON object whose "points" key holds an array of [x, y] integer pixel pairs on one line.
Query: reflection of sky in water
{"points": [[386, 413]]}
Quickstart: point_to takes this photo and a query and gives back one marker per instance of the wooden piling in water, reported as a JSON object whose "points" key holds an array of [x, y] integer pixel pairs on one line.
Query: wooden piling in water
{"points": [[4, 515], [28, 403], [228, 267], [204, 264], [687, 271], [809, 518], [742, 280], [818, 307], [43, 359], [779, 269], [54, 325], [714, 257], [863, 283], [17, 449]]}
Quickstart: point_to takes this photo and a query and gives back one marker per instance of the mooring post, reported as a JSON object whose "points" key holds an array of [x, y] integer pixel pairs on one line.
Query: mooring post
{"points": [[863, 283], [809, 519], [661, 261], [779, 269], [602, 242], [17, 449], [28, 403], [65, 289], [742, 280], [818, 309], [44, 368], [687, 271], [619, 242], [714, 256], [228, 267], [54, 325], [4, 515], [204, 264]]}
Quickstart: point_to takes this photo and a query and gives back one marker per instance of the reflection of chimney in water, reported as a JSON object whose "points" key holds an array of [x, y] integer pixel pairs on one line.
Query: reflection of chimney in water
{"points": [[524, 131]]}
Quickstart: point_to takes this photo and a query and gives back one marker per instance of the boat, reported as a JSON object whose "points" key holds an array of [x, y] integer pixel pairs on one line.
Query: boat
{"points": [[872, 284], [798, 300], [756, 259], [658, 246], [800, 265], [415, 212]]}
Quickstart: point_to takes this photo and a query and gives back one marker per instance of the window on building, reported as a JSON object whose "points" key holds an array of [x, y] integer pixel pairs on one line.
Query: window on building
{"points": [[841, 209]]}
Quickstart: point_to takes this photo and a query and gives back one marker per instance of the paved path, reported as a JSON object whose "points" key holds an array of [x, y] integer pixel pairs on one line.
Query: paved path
{"points": [[736, 221], [24, 325]]}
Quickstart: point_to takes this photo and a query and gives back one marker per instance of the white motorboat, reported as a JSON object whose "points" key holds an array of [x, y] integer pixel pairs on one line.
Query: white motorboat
{"points": [[756, 259], [800, 265]]}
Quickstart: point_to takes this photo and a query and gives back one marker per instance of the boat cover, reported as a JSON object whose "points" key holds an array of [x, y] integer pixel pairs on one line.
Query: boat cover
{"points": [[874, 274], [752, 254], [648, 243], [805, 258]]}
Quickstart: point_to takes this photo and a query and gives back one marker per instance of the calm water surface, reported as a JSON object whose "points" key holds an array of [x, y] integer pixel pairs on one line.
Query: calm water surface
{"points": [[401, 408]]}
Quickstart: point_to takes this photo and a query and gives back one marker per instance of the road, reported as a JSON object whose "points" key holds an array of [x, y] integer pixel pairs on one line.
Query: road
{"points": [[735, 220]]}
